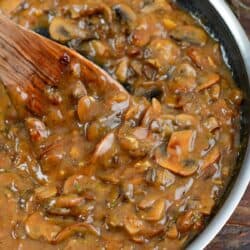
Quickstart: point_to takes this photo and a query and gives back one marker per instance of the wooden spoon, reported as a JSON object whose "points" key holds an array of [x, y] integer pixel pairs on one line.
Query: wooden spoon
{"points": [[35, 72], [30, 62]]}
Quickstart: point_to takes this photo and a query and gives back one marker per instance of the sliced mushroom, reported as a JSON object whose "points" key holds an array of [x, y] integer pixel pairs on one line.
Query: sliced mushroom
{"points": [[84, 210], [133, 224], [94, 7], [129, 143], [45, 192], [79, 90], [164, 125], [37, 129], [215, 91], [184, 79], [38, 228], [207, 204], [68, 201], [156, 212], [117, 215], [119, 98], [98, 50], [190, 34], [164, 53], [139, 239], [113, 197], [186, 221], [211, 158], [142, 166], [88, 9], [77, 184], [58, 211], [169, 24], [223, 111], [75, 153], [181, 143], [72, 184], [186, 120], [185, 168], [86, 243], [86, 108], [108, 173], [150, 231], [95, 131], [81, 227], [172, 232], [122, 70], [153, 112], [104, 146], [128, 191], [178, 154], [54, 116], [149, 200], [140, 133], [211, 124], [201, 58], [236, 96], [174, 101], [156, 5], [18, 230], [125, 13], [137, 141], [63, 30], [11, 8], [52, 155], [136, 67], [208, 80], [137, 110], [164, 178], [114, 219], [142, 33]]}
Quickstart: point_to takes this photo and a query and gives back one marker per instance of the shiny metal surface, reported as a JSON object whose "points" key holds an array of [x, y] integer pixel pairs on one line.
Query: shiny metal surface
{"points": [[242, 178]]}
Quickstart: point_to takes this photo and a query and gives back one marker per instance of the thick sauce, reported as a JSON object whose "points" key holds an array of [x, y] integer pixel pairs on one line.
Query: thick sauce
{"points": [[99, 171]]}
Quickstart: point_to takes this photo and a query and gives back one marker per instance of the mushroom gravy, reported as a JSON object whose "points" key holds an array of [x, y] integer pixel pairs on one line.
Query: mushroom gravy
{"points": [[98, 170]]}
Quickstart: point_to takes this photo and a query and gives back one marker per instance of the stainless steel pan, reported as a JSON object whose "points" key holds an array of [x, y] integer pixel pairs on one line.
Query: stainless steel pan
{"points": [[221, 22]]}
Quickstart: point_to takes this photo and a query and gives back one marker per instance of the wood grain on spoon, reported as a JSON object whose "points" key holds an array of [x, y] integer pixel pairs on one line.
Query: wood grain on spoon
{"points": [[29, 62]]}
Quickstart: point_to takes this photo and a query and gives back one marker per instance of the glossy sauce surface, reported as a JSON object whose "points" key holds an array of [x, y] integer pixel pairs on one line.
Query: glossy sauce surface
{"points": [[100, 171]]}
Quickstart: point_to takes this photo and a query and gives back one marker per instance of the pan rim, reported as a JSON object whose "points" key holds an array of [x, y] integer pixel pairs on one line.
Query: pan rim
{"points": [[243, 178]]}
